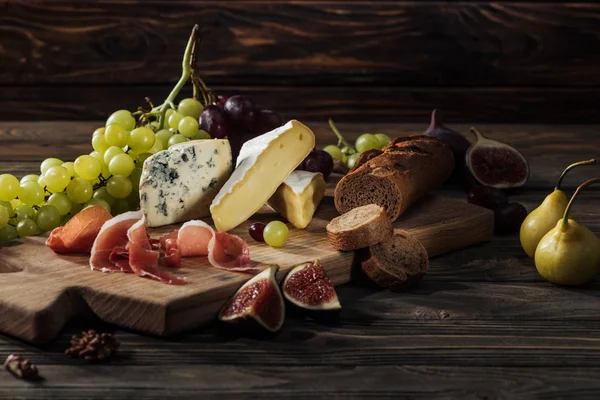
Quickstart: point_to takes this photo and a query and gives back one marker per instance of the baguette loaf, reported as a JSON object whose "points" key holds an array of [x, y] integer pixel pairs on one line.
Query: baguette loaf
{"points": [[397, 262], [361, 227], [402, 172]]}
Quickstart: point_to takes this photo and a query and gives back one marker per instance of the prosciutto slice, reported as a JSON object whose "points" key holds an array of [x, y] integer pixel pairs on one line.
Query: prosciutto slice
{"points": [[111, 241], [143, 259], [196, 238]]}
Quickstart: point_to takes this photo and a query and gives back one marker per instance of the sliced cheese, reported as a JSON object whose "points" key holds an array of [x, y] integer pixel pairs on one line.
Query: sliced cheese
{"points": [[262, 165], [178, 184], [298, 197]]}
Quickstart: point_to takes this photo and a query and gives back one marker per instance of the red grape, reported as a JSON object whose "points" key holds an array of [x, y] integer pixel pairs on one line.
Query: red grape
{"points": [[267, 121], [508, 218], [318, 161], [214, 121], [256, 231], [241, 110], [487, 196]]}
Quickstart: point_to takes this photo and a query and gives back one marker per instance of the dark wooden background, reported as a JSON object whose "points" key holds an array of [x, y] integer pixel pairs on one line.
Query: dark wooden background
{"points": [[501, 61]]}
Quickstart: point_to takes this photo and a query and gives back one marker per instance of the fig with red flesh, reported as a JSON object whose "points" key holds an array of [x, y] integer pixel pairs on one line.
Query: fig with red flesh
{"points": [[308, 286], [258, 300], [496, 164]]}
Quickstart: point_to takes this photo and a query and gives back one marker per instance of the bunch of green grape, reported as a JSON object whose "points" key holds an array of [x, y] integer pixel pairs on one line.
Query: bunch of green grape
{"points": [[348, 154], [108, 177]]}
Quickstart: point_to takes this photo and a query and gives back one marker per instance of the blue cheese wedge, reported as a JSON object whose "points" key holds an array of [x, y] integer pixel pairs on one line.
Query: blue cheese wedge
{"points": [[179, 184], [263, 164], [298, 197]]}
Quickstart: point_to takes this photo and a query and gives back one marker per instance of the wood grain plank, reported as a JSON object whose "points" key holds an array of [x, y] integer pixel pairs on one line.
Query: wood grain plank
{"points": [[351, 103], [403, 381], [302, 43], [549, 148]]}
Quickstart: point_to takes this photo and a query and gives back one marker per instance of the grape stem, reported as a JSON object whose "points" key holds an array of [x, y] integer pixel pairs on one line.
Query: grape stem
{"points": [[341, 139], [570, 167], [565, 220], [185, 76]]}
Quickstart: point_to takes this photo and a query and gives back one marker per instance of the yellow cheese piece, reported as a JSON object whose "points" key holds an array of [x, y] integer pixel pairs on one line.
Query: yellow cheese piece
{"points": [[298, 197], [262, 165]]}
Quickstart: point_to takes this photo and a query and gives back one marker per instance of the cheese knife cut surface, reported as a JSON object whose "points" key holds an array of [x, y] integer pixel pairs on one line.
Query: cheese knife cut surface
{"points": [[180, 183], [298, 197], [263, 164]]}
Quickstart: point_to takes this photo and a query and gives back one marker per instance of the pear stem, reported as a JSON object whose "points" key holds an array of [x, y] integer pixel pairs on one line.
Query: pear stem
{"points": [[477, 134], [579, 189], [570, 167]]}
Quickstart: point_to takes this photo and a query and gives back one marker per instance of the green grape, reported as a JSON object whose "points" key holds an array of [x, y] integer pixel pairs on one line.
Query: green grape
{"points": [[47, 218], [70, 167], [31, 193], [99, 142], [49, 162], [57, 178], [352, 160], [141, 158], [133, 200], [119, 186], [190, 108], [168, 114], [365, 142], [15, 203], [135, 179], [334, 151], [175, 139], [9, 187], [97, 155], [123, 118], [382, 139], [30, 177], [8, 207], [111, 152], [8, 233], [79, 190], [27, 228], [158, 146], [102, 194], [24, 211], [275, 233], [121, 206], [174, 120], [99, 131], [4, 216], [105, 171], [116, 135], [141, 139], [201, 135], [87, 167], [164, 135], [98, 202], [61, 202], [75, 208], [188, 127], [121, 164], [42, 180]]}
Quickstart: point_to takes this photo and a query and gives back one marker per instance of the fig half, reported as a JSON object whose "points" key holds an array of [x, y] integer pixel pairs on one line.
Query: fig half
{"points": [[496, 164], [308, 286], [258, 300]]}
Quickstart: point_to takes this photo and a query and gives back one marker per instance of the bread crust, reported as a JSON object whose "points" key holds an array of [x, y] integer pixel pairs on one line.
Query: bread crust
{"points": [[369, 233], [377, 263], [407, 169]]}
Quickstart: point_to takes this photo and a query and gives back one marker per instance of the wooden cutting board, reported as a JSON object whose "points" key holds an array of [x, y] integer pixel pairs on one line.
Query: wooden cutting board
{"points": [[41, 290]]}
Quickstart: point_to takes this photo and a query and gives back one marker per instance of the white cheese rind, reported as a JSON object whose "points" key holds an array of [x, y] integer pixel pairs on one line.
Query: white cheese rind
{"points": [[263, 164], [299, 180], [178, 184]]}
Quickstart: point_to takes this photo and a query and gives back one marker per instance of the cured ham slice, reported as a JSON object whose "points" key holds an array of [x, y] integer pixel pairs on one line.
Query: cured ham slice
{"points": [[112, 235], [80, 232], [194, 237], [230, 252], [143, 260]]}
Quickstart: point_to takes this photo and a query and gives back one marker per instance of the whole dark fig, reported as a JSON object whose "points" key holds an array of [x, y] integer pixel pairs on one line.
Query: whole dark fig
{"points": [[457, 143], [508, 218], [487, 196]]}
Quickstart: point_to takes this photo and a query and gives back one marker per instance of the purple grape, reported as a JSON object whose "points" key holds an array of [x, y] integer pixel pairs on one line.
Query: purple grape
{"points": [[256, 231], [241, 110], [508, 218], [487, 196], [214, 121], [267, 121], [318, 161]]}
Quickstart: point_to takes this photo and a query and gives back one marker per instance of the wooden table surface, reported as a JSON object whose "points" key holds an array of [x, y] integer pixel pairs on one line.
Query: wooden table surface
{"points": [[482, 324]]}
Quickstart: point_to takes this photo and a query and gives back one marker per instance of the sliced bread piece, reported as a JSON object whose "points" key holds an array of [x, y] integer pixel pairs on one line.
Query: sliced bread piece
{"points": [[360, 227], [396, 262]]}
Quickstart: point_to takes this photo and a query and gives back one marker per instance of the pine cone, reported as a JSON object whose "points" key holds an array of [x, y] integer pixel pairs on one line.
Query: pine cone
{"points": [[21, 368], [93, 346]]}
